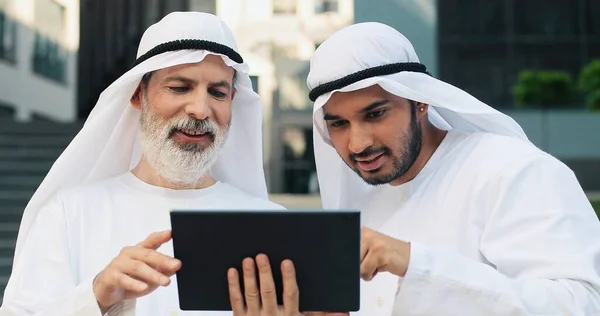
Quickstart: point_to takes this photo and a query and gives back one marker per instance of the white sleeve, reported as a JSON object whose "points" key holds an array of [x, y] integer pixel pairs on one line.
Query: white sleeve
{"points": [[542, 241], [45, 282]]}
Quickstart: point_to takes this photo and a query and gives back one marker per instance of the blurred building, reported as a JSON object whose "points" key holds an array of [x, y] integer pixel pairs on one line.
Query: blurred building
{"points": [[416, 19], [110, 34], [482, 45], [494, 40], [38, 58], [38, 64], [277, 37]]}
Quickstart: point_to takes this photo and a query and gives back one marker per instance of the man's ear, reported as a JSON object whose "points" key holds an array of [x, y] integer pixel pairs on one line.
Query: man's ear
{"points": [[136, 98], [422, 109], [233, 93]]}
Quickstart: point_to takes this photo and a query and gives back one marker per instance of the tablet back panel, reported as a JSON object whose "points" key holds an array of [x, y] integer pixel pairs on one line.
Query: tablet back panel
{"points": [[324, 246]]}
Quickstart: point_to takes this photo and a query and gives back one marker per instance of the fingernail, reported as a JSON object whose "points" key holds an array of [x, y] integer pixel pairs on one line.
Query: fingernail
{"points": [[287, 266], [174, 263], [141, 286], [164, 280], [231, 272]]}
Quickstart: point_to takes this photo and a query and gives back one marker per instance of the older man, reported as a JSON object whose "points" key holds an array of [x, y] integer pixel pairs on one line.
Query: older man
{"points": [[463, 214], [181, 129]]}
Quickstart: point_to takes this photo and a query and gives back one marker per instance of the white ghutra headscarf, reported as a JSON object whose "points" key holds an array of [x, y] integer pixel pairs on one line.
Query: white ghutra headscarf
{"points": [[109, 144], [366, 54]]}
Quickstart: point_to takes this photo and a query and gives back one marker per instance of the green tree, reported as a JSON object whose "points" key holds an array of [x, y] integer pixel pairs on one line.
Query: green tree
{"points": [[547, 88], [589, 83]]}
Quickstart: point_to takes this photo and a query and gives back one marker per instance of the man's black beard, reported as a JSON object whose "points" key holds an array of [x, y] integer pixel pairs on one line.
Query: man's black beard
{"points": [[410, 148]]}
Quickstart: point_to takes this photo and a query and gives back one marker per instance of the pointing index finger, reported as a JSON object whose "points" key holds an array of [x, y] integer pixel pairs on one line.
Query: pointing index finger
{"points": [[155, 240]]}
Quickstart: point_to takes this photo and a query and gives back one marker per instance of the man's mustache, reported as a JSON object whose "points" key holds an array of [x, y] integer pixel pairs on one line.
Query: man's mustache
{"points": [[195, 124]]}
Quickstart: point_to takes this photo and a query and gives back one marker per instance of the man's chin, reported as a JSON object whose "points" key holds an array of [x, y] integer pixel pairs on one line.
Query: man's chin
{"points": [[374, 177]]}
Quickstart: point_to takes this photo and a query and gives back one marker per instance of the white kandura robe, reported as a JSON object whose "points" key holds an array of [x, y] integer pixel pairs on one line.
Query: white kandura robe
{"points": [[497, 227], [482, 201], [80, 231]]}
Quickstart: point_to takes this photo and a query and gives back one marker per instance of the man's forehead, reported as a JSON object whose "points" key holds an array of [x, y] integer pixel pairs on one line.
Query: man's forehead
{"points": [[356, 100], [208, 68]]}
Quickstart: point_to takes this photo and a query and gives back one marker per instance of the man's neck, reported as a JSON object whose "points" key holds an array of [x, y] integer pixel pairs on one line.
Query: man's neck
{"points": [[145, 172], [432, 138]]}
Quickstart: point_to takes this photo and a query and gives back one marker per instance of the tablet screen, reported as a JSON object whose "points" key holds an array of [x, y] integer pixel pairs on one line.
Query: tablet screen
{"points": [[324, 246]]}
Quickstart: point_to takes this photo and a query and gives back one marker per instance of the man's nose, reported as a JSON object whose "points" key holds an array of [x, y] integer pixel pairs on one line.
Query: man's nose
{"points": [[199, 108], [360, 139]]}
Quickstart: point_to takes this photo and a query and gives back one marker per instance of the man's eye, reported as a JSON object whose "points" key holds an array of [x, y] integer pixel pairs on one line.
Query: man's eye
{"points": [[375, 114], [179, 89], [337, 123], [217, 94]]}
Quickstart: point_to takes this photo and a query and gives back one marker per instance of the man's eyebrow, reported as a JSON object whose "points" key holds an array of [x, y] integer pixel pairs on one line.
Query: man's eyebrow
{"points": [[222, 84], [374, 105], [331, 117], [180, 79], [370, 107]]}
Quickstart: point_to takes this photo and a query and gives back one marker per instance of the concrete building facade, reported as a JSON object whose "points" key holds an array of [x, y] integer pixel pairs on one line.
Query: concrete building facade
{"points": [[38, 59]]}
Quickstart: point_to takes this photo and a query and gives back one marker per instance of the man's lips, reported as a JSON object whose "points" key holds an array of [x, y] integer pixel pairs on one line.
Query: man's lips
{"points": [[372, 162], [193, 137]]}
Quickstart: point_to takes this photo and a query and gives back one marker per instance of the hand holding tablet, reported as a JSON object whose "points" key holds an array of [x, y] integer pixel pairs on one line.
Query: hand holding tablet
{"points": [[260, 296]]}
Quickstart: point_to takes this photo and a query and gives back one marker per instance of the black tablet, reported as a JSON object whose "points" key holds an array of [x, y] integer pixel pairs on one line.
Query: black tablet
{"points": [[324, 246]]}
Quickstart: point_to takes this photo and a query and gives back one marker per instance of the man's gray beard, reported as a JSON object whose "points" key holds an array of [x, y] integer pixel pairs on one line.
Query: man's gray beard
{"points": [[182, 165]]}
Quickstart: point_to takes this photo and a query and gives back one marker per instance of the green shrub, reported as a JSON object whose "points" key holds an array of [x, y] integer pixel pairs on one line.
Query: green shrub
{"points": [[547, 88], [596, 205], [589, 83]]}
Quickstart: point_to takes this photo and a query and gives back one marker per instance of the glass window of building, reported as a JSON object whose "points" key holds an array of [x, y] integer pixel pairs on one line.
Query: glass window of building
{"points": [[49, 53], [8, 33], [323, 6]]}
